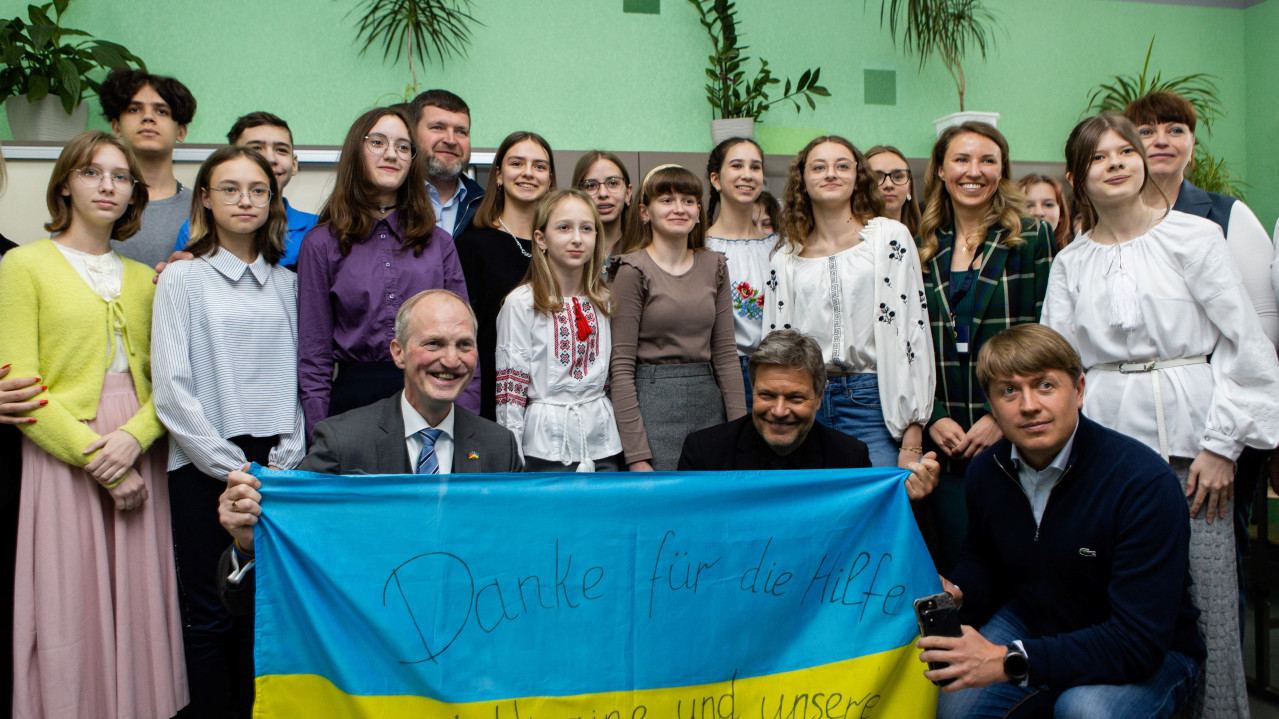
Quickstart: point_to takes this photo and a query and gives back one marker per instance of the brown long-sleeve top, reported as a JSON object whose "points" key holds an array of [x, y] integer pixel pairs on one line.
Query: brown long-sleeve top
{"points": [[660, 318]]}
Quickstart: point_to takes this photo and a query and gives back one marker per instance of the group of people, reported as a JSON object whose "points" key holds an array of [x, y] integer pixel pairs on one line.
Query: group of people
{"points": [[422, 323]]}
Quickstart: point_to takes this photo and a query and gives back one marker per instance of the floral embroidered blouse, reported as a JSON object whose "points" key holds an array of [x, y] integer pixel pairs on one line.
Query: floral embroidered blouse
{"points": [[552, 372], [865, 307], [747, 273]]}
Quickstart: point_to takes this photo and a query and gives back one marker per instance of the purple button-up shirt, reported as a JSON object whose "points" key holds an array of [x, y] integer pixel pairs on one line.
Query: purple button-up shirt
{"points": [[347, 304]]}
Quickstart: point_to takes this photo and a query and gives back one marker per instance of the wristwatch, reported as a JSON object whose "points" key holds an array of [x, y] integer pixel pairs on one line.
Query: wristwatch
{"points": [[1016, 665]]}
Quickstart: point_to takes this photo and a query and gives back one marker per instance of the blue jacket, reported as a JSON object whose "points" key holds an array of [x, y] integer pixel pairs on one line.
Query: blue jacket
{"points": [[1103, 582], [474, 192], [300, 223]]}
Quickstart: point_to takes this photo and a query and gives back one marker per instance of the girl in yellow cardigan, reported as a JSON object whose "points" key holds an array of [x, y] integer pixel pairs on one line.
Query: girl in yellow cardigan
{"points": [[96, 626]]}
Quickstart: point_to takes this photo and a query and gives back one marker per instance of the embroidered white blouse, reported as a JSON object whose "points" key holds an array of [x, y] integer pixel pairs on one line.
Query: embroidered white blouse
{"points": [[865, 307], [747, 273], [1190, 302], [551, 384]]}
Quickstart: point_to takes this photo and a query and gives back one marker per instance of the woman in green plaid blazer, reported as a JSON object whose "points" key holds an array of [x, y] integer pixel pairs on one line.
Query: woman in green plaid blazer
{"points": [[985, 269]]}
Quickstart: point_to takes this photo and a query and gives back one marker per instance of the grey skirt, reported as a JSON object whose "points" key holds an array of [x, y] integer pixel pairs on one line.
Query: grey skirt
{"points": [[676, 400]]}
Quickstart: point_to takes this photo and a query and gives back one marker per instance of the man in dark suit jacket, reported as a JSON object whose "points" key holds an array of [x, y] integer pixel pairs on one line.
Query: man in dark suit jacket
{"points": [[788, 376], [435, 346]]}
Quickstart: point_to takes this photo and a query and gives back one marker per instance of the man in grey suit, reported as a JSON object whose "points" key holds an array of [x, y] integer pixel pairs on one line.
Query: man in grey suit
{"points": [[417, 431]]}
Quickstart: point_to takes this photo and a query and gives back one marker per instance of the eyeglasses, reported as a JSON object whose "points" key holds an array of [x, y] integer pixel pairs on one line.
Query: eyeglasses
{"points": [[379, 144], [612, 183], [92, 177], [258, 196], [899, 177]]}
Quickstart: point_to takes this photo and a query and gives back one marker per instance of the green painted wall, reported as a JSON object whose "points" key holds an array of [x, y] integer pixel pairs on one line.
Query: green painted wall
{"points": [[1261, 24], [585, 74]]}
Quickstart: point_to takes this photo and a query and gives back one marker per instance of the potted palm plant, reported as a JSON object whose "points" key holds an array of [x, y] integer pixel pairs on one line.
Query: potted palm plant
{"points": [[947, 30], [1206, 171], [417, 28], [736, 102], [47, 72]]}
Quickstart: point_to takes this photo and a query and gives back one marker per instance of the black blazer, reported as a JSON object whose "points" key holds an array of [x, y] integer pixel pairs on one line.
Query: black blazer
{"points": [[737, 445]]}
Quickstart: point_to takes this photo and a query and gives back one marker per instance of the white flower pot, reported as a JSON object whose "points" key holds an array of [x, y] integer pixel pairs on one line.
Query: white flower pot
{"points": [[45, 120], [721, 130], [959, 118]]}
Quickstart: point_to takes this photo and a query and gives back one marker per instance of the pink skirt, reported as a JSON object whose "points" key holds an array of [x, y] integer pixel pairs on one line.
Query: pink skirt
{"points": [[96, 628]]}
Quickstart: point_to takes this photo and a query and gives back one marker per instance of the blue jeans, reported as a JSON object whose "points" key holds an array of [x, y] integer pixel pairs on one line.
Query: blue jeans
{"points": [[851, 405], [1159, 696]]}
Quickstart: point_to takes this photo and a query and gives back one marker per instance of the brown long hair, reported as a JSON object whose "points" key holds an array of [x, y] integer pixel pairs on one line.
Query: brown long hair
{"points": [[1080, 147], [1064, 232], [547, 293], [664, 180], [910, 208], [349, 210], [867, 202], [77, 154], [494, 200], [1007, 206], [268, 240]]}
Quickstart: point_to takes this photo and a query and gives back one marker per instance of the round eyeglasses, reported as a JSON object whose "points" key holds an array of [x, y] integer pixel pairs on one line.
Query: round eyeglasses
{"points": [[612, 183], [379, 144], [258, 196], [92, 177]]}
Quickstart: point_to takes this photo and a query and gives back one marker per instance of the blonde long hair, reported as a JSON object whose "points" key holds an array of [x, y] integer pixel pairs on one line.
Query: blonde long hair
{"points": [[1007, 206], [547, 294]]}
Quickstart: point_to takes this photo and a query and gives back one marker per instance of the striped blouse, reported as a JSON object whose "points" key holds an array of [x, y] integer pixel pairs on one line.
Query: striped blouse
{"points": [[224, 361]]}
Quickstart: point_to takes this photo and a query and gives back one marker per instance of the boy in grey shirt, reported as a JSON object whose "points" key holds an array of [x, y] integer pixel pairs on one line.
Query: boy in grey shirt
{"points": [[150, 114]]}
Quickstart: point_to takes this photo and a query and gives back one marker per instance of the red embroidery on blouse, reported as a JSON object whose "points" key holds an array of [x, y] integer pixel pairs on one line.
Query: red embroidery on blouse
{"points": [[512, 387], [572, 350]]}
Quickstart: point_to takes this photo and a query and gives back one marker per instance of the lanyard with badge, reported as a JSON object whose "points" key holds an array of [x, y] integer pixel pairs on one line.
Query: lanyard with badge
{"points": [[957, 294]]}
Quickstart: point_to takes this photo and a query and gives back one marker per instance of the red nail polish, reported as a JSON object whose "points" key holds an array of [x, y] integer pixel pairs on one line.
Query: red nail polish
{"points": [[31, 420], [7, 366], [37, 379], [42, 387], [43, 402]]}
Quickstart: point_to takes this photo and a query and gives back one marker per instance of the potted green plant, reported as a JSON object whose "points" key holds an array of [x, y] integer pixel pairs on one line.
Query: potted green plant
{"points": [[1206, 171], [947, 30], [421, 28], [736, 102], [47, 72]]}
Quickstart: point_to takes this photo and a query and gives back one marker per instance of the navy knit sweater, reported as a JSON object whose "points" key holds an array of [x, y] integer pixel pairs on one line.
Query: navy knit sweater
{"points": [[1103, 582]]}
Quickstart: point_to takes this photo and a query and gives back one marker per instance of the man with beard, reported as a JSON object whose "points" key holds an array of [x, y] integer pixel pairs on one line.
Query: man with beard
{"points": [[442, 124]]}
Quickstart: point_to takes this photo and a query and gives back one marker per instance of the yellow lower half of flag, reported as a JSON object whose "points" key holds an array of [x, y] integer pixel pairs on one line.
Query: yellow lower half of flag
{"points": [[888, 684]]}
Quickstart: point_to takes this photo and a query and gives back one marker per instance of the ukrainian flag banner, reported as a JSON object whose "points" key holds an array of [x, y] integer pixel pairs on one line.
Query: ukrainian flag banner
{"points": [[777, 595]]}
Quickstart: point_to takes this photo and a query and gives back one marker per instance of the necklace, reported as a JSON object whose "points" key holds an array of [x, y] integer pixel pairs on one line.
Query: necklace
{"points": [[513, 237], [386, 209]]}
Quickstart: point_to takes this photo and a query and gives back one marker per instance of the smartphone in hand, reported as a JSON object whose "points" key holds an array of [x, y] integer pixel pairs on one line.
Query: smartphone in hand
{"points": [[938, 616]]}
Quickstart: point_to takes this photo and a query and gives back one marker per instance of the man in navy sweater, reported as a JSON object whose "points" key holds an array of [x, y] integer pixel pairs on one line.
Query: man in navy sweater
{"points": [[1076, 563]]}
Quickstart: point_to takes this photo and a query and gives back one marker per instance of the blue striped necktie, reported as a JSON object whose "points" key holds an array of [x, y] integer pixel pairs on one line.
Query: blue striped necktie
{"points": [[427, 462]]}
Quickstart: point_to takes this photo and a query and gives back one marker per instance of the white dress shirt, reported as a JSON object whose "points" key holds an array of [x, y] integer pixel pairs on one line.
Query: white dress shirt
{"points": [[414, 423]]}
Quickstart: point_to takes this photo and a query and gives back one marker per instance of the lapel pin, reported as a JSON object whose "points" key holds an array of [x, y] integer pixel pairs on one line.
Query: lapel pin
{"points": [[472, 455]]}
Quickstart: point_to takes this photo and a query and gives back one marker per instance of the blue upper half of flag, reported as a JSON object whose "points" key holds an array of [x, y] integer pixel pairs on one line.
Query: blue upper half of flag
{"points": [[481, 587]]}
